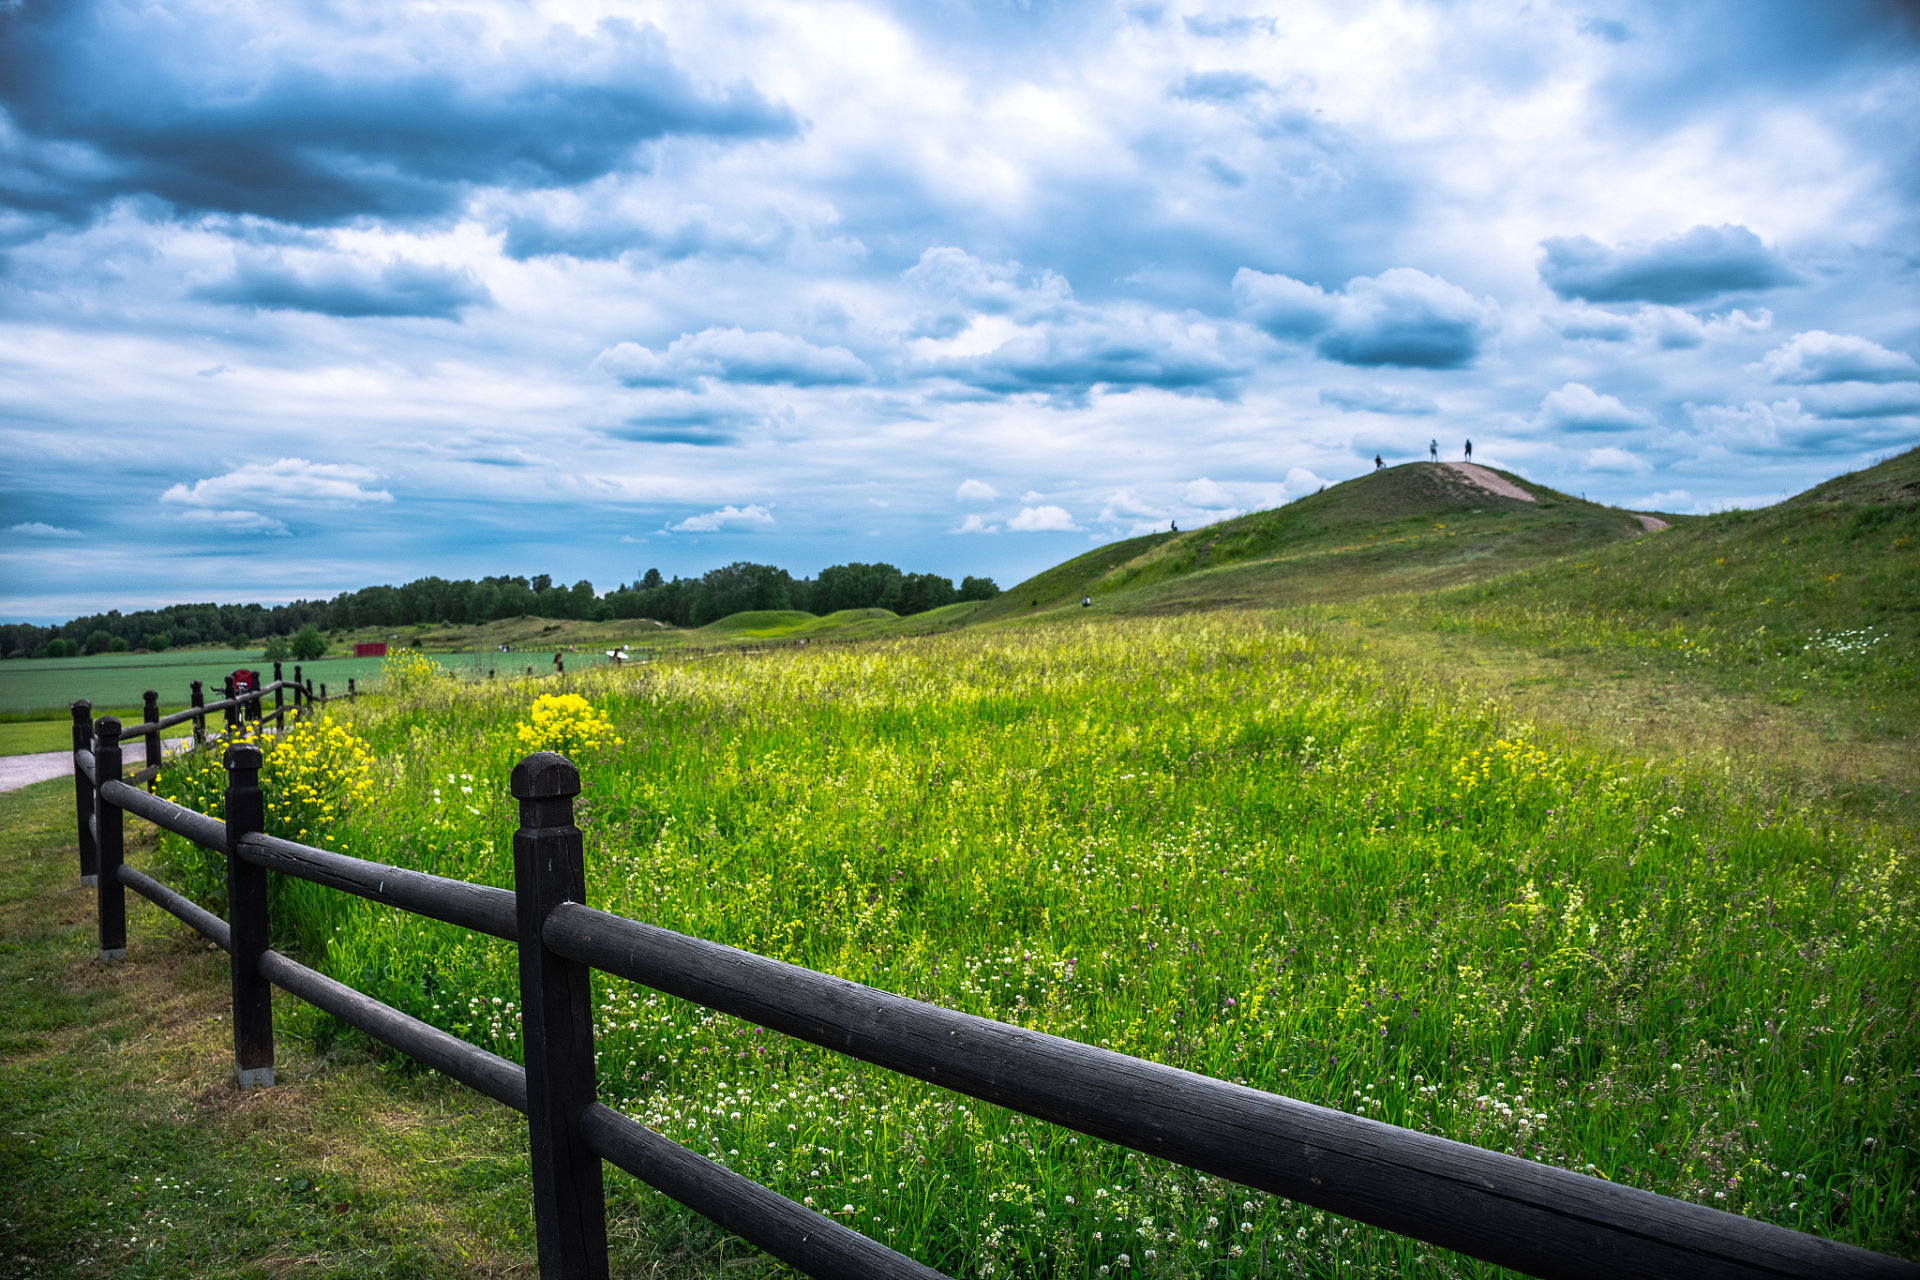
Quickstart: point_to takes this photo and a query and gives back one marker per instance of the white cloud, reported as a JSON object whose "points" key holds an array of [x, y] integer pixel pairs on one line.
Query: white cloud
{"points": [[35, 529], [1401, 317], [1863, 400], [727, 517], [1577, 407], [975, 491], [290, 482], [734, 355], [1301, 482], [1048, 519], [1818, 356], [956, 276], [1620, 461], [1378, 400], [977, 523], [233, 521], [1205, 493]]}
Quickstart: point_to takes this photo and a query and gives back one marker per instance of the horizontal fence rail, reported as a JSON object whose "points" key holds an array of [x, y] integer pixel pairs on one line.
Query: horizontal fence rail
{"points": [[1517, 1213], [479, 907]]}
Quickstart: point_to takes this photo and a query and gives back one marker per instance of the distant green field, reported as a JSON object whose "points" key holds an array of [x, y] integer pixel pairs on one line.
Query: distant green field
{"points": [[118, 680]]}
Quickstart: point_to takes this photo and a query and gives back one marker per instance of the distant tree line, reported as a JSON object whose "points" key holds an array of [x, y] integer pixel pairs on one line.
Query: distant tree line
{"points": [[742, 586], [683, 602]]}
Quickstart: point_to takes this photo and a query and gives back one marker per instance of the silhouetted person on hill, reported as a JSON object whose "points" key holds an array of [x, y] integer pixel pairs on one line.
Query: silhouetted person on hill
{"points": [[1469, 451], [1433, 450], [1176, 526], [1377, 464]]}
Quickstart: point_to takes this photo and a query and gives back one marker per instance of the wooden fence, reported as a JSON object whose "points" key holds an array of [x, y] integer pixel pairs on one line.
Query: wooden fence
{"points": [[1517, 1213]]}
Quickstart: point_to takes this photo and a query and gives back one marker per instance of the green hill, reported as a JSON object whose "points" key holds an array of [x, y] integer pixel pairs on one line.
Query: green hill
{"points": [[1414, 527], [1824, 586]]}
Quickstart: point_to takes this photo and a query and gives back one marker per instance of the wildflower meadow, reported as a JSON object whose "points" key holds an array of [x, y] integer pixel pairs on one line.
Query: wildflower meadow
{"points": [[1215, 842]]}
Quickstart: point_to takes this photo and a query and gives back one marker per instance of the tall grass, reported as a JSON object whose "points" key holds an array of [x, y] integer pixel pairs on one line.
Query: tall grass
{"points": [[1802, 600], [1216, 843]]}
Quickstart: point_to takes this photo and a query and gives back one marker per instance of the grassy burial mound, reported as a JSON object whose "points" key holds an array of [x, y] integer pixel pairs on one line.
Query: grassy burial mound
{"points": [[1815, 598], [1214, 842], [1417, 526]]}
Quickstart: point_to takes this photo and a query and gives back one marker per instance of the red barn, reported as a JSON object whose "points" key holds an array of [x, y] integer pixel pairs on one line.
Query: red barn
{"points": [[378, 649]]}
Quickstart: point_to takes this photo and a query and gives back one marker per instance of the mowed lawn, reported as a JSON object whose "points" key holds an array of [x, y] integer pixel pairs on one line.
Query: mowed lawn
{"points": [[1218, 842]]}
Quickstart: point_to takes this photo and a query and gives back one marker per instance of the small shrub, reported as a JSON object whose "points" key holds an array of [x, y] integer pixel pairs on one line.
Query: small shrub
{"points": [[407, 671], [567, 723], [311, 777], [308, 644]]}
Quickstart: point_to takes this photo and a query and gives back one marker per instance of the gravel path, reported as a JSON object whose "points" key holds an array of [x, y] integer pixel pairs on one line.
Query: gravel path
{"points": [[1491, 481], [24, 771]]}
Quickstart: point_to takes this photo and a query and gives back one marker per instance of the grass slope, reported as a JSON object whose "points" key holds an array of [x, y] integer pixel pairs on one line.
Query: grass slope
{"points": [[1215, 842], [1415, 526], [1817, 597]]}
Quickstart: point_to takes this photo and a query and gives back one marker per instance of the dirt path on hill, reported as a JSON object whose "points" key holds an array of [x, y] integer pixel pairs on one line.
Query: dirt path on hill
{"points": [[1490, 481]]}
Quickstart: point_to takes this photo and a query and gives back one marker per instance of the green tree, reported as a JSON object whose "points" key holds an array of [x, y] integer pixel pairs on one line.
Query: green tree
{"points": [[308, 644], [59, 648], [276, 649], [99, 642], [117, 645], [978, 589], [159, 642]]}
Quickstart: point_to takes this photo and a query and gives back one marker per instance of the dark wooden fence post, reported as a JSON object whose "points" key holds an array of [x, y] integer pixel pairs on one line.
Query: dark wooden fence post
{"points": [[150, 712], [296, 689], [310, 692], [247, 918], [108, 835], [199, 721], [556, 1026], [83, 795], [352, 692], [279, 702], [323, 694], [233, 713]]}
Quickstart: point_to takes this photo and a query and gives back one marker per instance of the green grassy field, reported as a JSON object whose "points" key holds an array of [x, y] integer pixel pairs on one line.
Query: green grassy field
{"points": [[43, 688], [1511, 822], [1221, 843]]}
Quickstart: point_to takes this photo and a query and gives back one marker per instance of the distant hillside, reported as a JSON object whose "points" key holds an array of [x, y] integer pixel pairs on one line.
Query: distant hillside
{"points": [[1418, 526], [1835, 569]]}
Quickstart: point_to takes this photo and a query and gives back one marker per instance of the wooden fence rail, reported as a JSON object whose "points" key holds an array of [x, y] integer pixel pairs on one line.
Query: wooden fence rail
{"points": [[1517, 1213]]}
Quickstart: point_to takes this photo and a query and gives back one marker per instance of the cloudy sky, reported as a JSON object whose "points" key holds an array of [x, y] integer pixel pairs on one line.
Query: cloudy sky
{"points": [[298, 298]]}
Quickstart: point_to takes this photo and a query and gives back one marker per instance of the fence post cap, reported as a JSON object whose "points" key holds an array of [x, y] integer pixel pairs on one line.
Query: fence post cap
{"points": [[82, 710], [242, 755], [107, 727], [545, 775]]}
